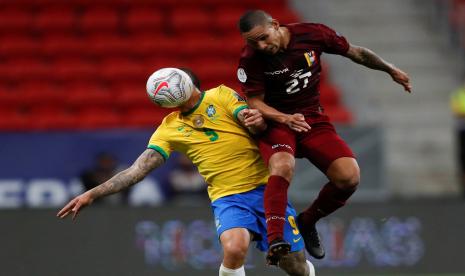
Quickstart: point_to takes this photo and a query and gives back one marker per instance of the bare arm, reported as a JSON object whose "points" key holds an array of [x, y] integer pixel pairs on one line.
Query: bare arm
{"points": [[145, 163], [252, 119], [371, 60], [295, 121]]}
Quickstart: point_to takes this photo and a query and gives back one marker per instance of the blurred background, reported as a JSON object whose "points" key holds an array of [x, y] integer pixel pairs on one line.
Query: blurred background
{"points": [[73, 112]]}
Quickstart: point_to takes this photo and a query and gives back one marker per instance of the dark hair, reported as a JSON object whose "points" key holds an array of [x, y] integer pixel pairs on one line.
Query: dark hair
{"points": [[194, 78], [252, 18]]}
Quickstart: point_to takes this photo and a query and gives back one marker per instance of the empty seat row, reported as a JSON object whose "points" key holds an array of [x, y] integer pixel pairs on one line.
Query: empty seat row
{"points": [[97, 19]]}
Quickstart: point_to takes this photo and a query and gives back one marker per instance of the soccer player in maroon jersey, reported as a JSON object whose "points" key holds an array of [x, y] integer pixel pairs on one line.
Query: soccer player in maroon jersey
{"points": [[279, 71]]}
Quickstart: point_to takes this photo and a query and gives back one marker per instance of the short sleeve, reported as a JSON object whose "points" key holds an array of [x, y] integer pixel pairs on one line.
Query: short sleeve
{"points": [[334, 43], [250, 76], [160, 142], [232, 101]]}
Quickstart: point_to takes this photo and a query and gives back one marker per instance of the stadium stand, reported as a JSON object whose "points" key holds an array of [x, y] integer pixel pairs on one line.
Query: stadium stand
{"points": [[83, 64]]}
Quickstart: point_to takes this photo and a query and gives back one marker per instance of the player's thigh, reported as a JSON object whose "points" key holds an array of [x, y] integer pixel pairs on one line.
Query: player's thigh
{"points": [[277, 138], [322, 145]]}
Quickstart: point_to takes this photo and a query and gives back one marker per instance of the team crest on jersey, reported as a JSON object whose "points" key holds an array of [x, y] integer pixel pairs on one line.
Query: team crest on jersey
{"points": [[311, 58], [211, 113]]}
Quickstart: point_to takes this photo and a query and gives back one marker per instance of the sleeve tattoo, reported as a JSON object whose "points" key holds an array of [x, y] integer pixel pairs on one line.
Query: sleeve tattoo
{"points": [[145, 163], [368, 58]]}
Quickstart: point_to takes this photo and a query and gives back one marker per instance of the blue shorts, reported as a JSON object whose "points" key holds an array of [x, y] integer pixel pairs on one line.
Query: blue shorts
{"points": [[246, 210]]}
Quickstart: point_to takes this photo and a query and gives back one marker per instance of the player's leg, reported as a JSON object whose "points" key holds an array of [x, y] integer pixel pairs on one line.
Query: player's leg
{"points": [[329, 153], [235, 219], [295, 264], [235, 243], [277, 147]]}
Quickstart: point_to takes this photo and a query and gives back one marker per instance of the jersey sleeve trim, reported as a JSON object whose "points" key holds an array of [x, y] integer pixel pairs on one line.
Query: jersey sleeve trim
{"points": [[159, 150], [236, 112]]}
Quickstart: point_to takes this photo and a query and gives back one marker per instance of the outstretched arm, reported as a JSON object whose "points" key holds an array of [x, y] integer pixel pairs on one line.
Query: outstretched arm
{"points": [[145, 163], [371, 60]]}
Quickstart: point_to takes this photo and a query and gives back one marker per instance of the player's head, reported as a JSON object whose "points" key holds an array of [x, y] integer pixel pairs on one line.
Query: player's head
{"points": [[261, 31], [194, 78]]}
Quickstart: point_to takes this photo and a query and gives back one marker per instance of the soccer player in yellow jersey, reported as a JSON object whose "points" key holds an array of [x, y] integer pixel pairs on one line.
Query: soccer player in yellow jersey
{"points": [[212, 129]]}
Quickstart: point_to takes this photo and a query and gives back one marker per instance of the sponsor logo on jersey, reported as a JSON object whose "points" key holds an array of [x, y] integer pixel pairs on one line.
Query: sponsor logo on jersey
{"points": [[186, 132], [281, 146], [277, 72], [241, 75]]}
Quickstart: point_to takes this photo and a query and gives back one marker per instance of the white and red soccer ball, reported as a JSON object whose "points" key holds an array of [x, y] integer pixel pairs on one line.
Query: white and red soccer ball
{"points": [[169, 87]]}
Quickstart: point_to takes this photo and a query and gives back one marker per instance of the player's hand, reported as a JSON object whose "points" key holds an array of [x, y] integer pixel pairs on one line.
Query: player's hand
{"points": [[297, 122], [76, 205], [401, 78], [253, 118]]}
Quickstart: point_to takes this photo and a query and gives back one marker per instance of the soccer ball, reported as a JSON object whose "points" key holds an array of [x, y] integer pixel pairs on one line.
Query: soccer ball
{"points": [[169, 87]]}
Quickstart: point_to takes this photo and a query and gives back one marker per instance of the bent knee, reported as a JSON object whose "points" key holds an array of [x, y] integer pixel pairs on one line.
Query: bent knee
{"points": [[282, 165], [347, 178], [235, 251]]}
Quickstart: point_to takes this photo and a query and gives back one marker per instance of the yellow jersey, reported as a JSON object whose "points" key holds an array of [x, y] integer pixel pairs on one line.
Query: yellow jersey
{"points": [[213, 139]]}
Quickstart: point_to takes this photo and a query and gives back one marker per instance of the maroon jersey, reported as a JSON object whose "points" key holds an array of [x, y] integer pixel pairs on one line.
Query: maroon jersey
{"points": [[290, 79]]}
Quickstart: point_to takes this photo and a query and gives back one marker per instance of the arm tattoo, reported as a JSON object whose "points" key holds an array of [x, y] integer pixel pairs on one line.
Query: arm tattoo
{"points": [[147, 161], [368, 58]]}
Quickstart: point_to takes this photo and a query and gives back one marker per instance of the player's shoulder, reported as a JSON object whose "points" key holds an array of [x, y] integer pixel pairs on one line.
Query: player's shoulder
{"points": [[220, 90], [223, 92], [248, 52], [170, 119]]}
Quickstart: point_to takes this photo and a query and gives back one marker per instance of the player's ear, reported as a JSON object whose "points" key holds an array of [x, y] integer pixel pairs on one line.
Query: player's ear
{"points": [[275, 24]]}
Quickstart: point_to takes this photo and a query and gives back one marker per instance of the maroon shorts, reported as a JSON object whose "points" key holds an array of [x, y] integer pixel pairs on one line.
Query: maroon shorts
{"points": [[321, 145]]}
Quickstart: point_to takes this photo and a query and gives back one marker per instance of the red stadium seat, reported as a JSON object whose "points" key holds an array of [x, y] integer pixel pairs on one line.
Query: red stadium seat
{"points": [[145, 117], [99, 19], [283, 15], [69, 69], [213, 72], [190, 20], [227, 22], [56, 19], [12, 45], [329, 95], [339, 114], [146, 43], [15, 19], [79, 95], [14, 120], [149, 19], [63, 45], [122, 69], [104, 45], [129, 97], [95, 118], [27, 69]]}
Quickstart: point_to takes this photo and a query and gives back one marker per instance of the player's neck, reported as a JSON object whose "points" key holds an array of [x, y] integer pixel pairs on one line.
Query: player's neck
{"points": [[193, 100], [286, 37]]}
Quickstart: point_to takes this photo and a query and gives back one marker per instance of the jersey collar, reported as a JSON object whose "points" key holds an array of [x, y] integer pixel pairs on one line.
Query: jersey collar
{"points": [[189, 112]]}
